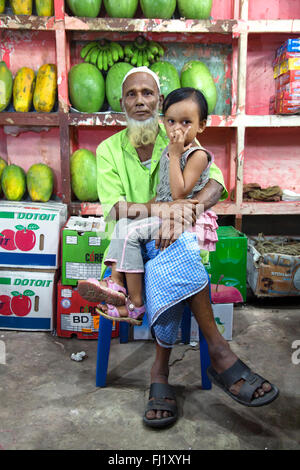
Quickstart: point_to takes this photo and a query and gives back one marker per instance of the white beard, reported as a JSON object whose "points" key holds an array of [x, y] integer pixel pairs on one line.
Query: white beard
{"points": [[141, 133]]}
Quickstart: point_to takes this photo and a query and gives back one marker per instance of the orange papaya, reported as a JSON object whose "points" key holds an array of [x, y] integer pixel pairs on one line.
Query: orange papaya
{"points": [[45, 89], [21, 7], [23, 89]]}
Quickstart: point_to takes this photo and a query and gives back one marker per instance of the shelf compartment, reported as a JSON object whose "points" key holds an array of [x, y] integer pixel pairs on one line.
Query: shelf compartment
{"points": [[29, 119]]}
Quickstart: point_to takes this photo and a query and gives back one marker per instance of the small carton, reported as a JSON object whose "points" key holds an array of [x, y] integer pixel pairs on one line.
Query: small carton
{"points": [[30, 234], [27, 299], [84, 241], [76, 316], [273, 274]]}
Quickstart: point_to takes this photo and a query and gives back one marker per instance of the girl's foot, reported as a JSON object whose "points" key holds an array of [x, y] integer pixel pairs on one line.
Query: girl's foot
{"points": [[102, 291], [129, 312]]}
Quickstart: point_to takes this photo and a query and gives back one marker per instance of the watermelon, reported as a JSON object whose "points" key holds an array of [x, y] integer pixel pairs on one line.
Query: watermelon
{"points": [[84, 175], [114, 81], [158, 8], [6, 86], [195, 9], [86, 88], [119, 9], [40, 182], [13, 182], [89, 8], [168, 76], [196, 74]]}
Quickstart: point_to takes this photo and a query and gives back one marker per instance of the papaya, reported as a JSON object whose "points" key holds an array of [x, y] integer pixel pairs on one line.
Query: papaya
{"points": [[196, 74], [6, 86], [86, 88], [117, 9], [21, 7], [168, 76], [195, 9], [45, 89], [89, 8], [2, 6], [113, 84], [39, 181], [44, 7], [84, 175], [158, 8], [23, 89], [3, 164], [13, 182]]}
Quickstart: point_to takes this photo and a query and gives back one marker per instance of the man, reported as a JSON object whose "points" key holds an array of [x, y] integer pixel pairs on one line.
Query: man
{"points": [[128, 170]]}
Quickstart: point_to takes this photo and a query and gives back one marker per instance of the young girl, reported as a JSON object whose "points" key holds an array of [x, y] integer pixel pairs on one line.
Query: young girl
{"points": [[184, 169]]}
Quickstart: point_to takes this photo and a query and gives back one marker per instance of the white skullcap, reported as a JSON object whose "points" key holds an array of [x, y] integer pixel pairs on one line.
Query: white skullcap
{"points": [[143, 70]]}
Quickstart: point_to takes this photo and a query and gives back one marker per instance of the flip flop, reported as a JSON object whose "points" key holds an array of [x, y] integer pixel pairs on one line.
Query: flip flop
{"points": [[93, 291], [253, 381], [159, 392]]}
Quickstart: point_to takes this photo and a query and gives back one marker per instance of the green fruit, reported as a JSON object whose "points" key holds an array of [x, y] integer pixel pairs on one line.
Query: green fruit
{"points": [[89, 8], [114, 81], [3, 164], [2, 6], [40, 182], [6, 86], [195, 9], [13, 182], [168, 77], [84, 175], [121, 9], [197, 75], [86, 88], [158, 8]]}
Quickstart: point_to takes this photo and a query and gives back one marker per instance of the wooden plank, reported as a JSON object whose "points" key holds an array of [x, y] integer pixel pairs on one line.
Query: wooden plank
{"points": [[64, 131], [273, 26], [29, 119], [27, 22]]}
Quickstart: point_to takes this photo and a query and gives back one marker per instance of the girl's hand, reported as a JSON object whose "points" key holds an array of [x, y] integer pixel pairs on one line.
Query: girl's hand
{"points": [[177, 139]]}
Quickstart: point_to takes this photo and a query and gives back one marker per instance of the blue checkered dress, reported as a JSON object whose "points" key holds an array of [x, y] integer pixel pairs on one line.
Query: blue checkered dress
{"points": [[171, 276]]}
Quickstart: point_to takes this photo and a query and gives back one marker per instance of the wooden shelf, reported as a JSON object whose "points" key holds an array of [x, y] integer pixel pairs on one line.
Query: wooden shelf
{"points": [[28, 22], [29, 119]]}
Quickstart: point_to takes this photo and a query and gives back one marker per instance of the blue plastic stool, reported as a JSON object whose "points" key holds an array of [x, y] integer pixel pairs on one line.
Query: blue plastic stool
{"points": [[104, 339]]}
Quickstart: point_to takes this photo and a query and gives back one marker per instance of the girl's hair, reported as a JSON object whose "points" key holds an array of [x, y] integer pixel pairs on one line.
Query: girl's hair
{"points": [[181, 94]]}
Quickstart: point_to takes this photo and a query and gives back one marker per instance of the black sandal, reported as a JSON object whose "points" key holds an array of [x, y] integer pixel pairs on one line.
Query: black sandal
{"points": [[253, 381], [160, 392]]}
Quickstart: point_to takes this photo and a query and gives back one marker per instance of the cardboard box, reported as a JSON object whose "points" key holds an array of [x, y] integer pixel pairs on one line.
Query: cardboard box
{"points": [[30, 234], [27, 299], [223, 314], [84, 242], [76, 316], [291, 45], [273, 274]]}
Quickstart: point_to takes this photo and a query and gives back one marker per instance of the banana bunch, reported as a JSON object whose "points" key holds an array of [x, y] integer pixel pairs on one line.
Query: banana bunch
{"points": [[103, 54], [142, 52]]}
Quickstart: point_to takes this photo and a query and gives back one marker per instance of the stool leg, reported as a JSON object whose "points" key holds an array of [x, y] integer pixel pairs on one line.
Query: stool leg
{"points": [[204, 361], [104, 338], [186, 325], [123, 332]]}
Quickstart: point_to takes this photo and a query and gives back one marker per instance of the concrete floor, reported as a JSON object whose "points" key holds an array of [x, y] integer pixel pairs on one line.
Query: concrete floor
{"points": [[49, 401]]}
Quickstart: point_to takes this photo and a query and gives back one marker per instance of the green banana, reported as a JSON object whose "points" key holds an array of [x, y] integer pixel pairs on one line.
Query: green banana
{"points": [[110, 61], [84, 51], [88, 56], [134, 58], [114, 53], [150, 55], [118, 48], [128, 50], [94, 55], [100, 60], [153, 47], [145, 58], [105, 65], [140, 59]]}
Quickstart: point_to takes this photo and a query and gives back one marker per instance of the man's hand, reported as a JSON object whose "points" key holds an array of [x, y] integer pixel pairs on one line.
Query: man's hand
{"points": [[176, 217]]}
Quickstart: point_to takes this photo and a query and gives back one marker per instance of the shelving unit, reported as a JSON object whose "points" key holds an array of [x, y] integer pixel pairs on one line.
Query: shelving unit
{"points": [[249, 144]]}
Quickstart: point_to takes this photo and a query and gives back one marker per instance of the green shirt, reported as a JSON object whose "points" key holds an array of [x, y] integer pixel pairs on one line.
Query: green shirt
{"points": [[122, 177]]}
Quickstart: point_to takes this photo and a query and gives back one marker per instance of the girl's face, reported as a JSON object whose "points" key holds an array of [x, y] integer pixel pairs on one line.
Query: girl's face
{"points": [[182, 115]]}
